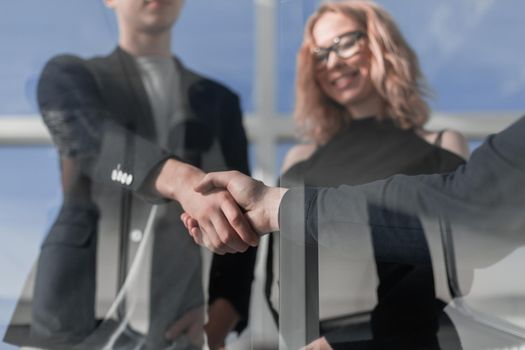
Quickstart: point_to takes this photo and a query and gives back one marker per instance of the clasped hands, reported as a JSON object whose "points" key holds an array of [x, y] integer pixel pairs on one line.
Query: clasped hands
{"points": [[257, 206], [225, 211]]}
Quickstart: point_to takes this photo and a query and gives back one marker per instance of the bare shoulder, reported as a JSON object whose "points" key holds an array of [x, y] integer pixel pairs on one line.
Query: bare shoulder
{"points": [[297, 154], [451, 140], [455, 142]]}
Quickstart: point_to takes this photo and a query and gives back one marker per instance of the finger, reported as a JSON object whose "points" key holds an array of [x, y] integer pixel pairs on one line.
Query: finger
{"points": [[192, 223], [211, 238], [188, 221], [206, 244], [189, 323], [196, 232], [198, 236], [239, 223], [184, 218], [213, 181], [196, 332], [228, 236], [178, 327]]}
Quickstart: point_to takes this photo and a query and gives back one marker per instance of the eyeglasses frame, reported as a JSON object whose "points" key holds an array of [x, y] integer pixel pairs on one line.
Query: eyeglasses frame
{"points": [[322, 59]]}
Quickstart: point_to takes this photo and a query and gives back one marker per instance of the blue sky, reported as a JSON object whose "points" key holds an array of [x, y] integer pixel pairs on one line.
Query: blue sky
{"points": [[471, 52], [212, 36]]}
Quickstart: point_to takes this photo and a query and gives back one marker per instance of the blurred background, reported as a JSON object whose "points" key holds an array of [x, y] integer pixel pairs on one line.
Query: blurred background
{"points": [[471, 52]]}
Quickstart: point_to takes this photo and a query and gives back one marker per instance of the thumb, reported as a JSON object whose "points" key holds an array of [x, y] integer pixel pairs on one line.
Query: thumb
{"points": [[211, 181]]}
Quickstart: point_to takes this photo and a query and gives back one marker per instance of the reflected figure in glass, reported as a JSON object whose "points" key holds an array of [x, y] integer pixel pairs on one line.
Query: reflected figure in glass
{"points": [[135, 129]]}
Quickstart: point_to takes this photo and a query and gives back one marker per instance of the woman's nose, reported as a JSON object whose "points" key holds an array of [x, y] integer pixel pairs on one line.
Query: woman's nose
{"points": [[333, 60]]}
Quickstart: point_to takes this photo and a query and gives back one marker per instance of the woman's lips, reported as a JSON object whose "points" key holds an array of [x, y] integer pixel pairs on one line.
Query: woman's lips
{"points": [[345, 80]]}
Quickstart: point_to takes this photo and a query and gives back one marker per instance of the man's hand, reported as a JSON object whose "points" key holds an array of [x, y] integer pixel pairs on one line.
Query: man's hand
{"points": [[189, 328], [222, 318], [260, 202], [227, 230]]}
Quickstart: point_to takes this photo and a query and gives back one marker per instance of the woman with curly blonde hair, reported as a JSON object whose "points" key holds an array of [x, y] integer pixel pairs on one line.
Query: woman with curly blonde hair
{"points": [[360, 106], [365, 69]]}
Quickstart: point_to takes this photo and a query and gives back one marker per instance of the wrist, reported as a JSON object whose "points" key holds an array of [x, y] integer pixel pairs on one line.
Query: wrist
{"points": [[176, 179], [273, 197]]}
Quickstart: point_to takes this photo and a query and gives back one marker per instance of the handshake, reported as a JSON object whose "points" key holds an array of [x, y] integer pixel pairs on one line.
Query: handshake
{"points": [[226, 212], [246, 209]]}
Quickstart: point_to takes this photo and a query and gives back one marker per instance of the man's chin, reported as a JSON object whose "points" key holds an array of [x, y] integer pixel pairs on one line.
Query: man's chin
{"points": [[156, 26]]}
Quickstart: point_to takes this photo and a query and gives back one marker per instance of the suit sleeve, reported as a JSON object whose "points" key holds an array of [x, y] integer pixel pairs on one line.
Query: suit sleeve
{"points": [[231, 275], [485, 196], [83, 128]]}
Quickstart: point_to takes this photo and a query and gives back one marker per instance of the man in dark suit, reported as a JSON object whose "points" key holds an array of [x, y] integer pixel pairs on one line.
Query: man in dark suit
{"points": [[482, 200], [133, 128]]}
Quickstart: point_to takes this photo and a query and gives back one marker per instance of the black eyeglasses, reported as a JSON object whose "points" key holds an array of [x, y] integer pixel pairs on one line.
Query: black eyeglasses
{"points": [[344, 46]]}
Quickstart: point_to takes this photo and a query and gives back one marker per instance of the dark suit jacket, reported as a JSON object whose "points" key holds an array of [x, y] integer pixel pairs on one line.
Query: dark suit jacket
{"points": [[100, 118]]}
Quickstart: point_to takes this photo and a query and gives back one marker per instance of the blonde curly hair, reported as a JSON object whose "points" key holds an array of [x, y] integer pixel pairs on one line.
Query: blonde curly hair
{"points": [[395, 74]]}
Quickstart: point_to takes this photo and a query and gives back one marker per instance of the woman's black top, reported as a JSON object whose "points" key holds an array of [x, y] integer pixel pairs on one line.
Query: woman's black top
{"points": [[367, 150]]}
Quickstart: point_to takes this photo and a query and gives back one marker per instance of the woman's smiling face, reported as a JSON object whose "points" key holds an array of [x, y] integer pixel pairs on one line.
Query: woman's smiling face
{"points": [[345, 80]]}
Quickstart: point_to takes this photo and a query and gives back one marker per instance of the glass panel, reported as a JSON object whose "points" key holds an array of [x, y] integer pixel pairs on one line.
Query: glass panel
{"points": [[366, 291]]}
